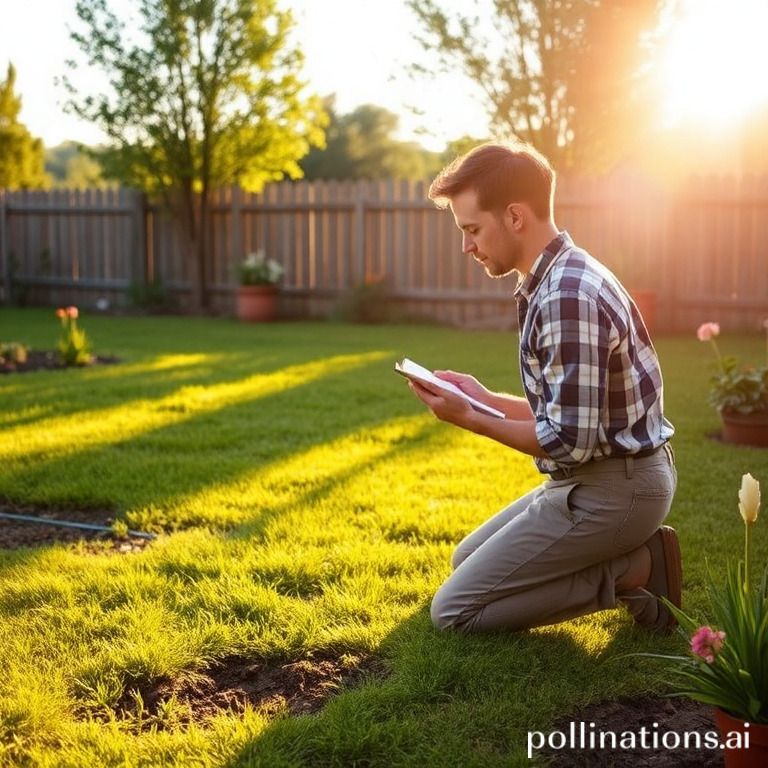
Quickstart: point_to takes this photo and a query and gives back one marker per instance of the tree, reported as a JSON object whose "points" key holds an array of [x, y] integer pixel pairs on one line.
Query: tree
{"points": [[458, 147], [21, 155], [360, 145], [563, 75], [205, 93], [73, 166]]}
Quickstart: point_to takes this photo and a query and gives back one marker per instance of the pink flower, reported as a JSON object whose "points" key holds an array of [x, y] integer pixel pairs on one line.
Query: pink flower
{"points": [[72, 312], [707, 331], [61, 313], [707, 643]]}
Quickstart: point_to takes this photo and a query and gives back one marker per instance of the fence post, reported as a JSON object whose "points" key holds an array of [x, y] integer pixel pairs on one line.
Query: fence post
{"points": [[237, 225], [4, 257], [140, 269], [359, 216]]}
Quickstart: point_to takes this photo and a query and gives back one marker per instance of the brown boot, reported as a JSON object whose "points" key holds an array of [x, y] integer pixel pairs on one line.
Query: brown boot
{"points": [[665, 581]]}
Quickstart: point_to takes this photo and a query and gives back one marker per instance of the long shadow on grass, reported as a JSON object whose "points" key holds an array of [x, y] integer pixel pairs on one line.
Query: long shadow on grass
{"points": [[415, 443], [124, 383], [159, 467], [181, 405], [182, 352]]}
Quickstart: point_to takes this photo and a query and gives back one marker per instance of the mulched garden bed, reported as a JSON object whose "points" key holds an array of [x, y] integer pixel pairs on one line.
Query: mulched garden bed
{"points": [[38, 360]]}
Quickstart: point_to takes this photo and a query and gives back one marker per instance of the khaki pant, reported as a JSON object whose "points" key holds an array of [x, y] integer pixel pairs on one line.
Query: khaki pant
{"points": [[557, 552]]}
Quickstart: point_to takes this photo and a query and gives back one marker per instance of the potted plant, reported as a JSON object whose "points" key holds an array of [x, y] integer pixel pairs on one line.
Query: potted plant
{"points": [[739, 393], [257, 294], [727, 663]]}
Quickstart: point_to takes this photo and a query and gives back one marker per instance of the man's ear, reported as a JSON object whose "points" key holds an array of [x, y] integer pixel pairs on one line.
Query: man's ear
{"points": [[516, 215]]}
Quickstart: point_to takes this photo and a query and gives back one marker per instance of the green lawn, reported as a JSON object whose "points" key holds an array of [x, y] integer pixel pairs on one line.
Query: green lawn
{"points": [[306, 506]]}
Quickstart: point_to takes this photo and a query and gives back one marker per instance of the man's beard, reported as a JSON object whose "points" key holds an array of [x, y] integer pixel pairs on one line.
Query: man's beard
{"points": [[496, 271]]}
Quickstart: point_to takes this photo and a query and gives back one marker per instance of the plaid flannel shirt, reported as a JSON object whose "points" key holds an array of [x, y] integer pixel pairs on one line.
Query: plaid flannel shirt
{"points": [[588, 367]]}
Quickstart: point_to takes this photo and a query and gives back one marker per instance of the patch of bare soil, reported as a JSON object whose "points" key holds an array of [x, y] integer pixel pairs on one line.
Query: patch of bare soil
{"points": [[38, 360], [15, 534], [235, 683], [658, 716]]}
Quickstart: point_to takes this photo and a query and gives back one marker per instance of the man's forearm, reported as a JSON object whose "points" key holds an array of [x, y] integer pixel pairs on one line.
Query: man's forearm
{"points": [[513, 407], [517, 434]]}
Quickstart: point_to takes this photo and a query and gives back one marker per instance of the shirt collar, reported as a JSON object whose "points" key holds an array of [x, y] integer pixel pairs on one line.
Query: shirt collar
{"points": [[530, 282]]}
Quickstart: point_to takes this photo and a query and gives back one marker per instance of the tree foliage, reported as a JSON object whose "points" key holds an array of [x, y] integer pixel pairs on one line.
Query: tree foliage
{"points": [[73, 166], [361, 145], [567, 76], [202, 93], [21, 155], [458, 147]]}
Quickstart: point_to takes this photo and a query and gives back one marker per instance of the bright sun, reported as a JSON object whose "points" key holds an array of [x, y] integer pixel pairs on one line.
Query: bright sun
{"points": [[714, 67]]}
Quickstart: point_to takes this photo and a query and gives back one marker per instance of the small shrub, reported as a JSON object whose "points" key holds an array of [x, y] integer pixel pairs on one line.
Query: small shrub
{"points": [[367, 302], [150, 296]]}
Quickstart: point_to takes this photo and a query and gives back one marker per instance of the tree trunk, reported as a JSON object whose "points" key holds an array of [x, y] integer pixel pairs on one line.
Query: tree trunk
{"points": [[204, 248], [189, 216]]}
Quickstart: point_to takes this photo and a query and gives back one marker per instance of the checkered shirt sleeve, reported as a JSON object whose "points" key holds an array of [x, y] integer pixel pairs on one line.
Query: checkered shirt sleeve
{"points": [[589, 369]]}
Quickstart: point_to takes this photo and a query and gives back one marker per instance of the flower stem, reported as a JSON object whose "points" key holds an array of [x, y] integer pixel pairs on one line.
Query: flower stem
{"points": [[719, 356], [747, 531]]}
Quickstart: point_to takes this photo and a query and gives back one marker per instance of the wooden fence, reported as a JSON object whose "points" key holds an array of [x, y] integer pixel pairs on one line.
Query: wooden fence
{"points": [[699, 252]]}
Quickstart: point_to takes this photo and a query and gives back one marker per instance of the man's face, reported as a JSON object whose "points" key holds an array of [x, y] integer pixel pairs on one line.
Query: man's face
{"points": [[488, 237]]}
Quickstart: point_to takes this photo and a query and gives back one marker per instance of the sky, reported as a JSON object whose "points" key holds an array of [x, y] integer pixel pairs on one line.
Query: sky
{"points": [[357, 49], [714, 62], [711, 72]]}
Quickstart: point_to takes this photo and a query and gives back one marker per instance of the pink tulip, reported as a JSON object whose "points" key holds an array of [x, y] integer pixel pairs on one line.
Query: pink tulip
{"points": [[707, 331], [61, 313], [707, 643], [72, 312]]}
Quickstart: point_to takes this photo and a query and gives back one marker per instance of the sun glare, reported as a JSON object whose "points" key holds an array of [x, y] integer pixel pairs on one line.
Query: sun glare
{"points": [[715, 63]]}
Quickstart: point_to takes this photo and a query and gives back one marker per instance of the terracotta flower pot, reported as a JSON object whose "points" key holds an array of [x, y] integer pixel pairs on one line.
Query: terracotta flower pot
{"points": [[754, 741], [257, 303], [746, 428]]}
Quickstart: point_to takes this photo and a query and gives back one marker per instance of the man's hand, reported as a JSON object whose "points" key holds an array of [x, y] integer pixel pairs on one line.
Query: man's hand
{"points": [[445, 405], [466, 383]]}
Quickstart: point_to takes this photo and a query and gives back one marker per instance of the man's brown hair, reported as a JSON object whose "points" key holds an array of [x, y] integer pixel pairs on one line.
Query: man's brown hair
{"points": [[500, 174]]}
